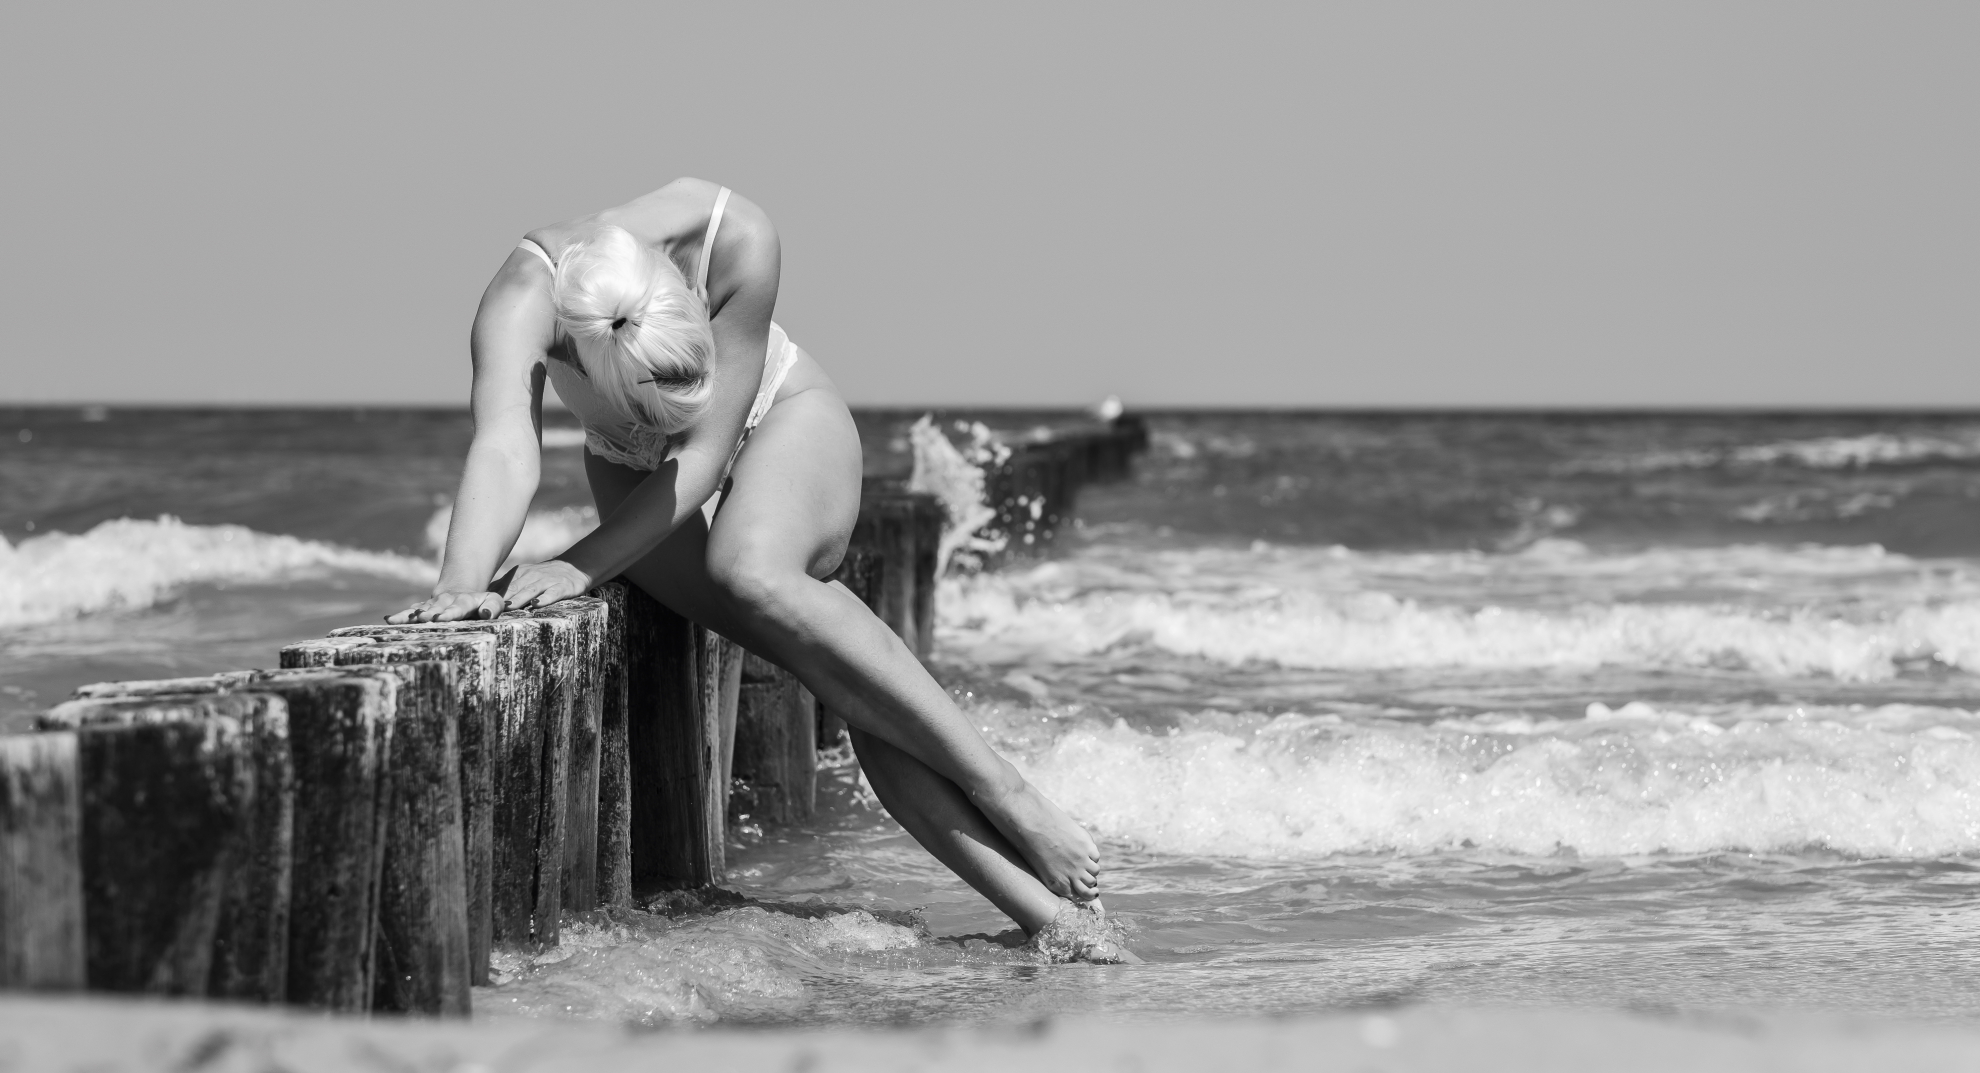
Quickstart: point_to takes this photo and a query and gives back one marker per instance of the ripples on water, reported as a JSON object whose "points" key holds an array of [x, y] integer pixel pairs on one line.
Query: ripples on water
{"points": [[1670, 713]]}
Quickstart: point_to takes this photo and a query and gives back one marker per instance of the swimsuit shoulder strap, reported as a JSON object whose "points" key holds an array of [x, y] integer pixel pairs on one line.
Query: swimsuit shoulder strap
{"points": [[708, 244], [532, 247]]}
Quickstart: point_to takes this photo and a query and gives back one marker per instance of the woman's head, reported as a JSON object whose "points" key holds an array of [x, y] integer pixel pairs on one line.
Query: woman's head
{"points": [[640, 333]]}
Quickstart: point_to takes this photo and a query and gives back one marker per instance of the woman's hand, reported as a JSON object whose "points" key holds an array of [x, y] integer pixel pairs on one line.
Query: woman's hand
{"points": [[450, 607], [536, 584]]}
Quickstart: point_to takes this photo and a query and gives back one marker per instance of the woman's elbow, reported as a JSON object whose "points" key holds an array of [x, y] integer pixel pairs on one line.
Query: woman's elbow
{"points": [[514, 455]]}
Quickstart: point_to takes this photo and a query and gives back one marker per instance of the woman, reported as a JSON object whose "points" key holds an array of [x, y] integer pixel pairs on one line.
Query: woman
{"points": [[726, 470]]}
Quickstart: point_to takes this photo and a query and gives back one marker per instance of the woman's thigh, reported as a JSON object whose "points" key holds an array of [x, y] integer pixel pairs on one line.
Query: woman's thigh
{"points": [[790, 509], [795, 494]]}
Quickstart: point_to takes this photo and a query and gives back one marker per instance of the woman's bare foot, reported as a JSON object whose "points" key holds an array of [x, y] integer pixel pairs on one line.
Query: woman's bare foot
{"points": [[1081, 933], [1059, 850]]}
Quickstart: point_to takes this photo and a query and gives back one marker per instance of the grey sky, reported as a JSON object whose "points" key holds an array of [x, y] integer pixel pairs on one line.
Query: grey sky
{"points": [[1314, 205]]}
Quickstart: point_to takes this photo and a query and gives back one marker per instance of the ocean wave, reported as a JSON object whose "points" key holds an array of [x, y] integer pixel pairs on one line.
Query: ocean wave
{"points": [[1853, 614], [129, 564], [1879, 783], [1824, 452]]}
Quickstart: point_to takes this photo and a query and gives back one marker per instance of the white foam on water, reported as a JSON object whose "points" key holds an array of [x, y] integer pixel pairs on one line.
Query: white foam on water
{"points": [[563, 437], [1848, 613], [1885, 782], [129, 564], [1823, 452], [739, 964]]}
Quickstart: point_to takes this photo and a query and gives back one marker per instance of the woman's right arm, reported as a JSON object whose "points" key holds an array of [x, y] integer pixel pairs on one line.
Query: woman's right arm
{"points": [[512, 333]]}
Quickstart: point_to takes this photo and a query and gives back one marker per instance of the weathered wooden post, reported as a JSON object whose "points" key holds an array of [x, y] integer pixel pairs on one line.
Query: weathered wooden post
{"points": [[41, 891], [722, 667], [529, 760], [424, 954], [673, 736], [776, 751], [615, 875], [185, 842], [582, 678], [473, 657], [340, 739]]}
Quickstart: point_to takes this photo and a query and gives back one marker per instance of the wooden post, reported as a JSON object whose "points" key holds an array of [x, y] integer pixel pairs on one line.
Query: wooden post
{"points": [[41, 892], [673, 733], [615, 885], [251, 946], [178, 897], [473, 656], [537, 666], [896, 539], [926, 521], [892, 528], [424, 957], [516, 763], [584, 681], [776, 741], [340, 727], [725, 674]]}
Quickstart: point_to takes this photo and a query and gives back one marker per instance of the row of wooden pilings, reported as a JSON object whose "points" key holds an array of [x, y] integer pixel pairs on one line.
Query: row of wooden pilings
{"points": [[359, 829]]}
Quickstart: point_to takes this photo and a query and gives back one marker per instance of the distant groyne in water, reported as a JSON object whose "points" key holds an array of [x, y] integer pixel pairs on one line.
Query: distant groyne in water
{"points": [[357, 829]]}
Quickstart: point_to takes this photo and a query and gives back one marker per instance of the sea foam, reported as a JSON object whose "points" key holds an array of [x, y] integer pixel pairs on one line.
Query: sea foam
{"points": [[1822, 452], [740, 964]]}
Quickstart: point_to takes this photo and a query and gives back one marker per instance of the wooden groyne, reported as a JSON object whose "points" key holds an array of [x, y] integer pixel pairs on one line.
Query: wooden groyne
{"points": [[358, 829]]}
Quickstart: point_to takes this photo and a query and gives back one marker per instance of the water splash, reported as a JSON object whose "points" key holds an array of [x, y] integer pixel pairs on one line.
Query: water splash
{"points": [[956, 477]]}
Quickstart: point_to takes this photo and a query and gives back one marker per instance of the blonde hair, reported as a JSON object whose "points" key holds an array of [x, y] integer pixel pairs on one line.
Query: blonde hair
{"points": [[640, 332]]}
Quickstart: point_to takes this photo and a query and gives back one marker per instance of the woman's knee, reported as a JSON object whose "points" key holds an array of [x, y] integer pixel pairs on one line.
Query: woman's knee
{"points": [[759, 582]]}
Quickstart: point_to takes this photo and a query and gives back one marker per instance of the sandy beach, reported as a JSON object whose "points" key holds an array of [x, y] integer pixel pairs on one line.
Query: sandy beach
{"points": [[114, 1036]]}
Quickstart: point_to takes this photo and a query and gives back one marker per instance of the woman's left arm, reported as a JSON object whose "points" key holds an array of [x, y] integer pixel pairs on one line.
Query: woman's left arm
{"points": [[742, 297]]}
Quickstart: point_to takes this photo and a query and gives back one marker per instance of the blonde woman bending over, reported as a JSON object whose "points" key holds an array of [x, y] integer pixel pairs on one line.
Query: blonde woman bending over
{"points": [[726, 470]]}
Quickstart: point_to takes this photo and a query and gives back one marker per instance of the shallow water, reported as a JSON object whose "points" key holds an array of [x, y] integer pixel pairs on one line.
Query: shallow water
{"points": [[1662, 713]]}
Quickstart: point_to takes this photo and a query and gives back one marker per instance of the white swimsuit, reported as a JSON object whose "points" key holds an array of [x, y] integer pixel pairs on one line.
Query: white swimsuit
{"points": [[615, 438]]}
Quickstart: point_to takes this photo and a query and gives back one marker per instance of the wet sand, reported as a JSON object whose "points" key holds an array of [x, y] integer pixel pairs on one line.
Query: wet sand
{"points": [[112, 1036]]}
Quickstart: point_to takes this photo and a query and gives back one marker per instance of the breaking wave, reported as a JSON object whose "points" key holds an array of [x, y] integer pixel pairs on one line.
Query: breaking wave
{"points": [[1887, 782], [1852, 614], [129, 564]]}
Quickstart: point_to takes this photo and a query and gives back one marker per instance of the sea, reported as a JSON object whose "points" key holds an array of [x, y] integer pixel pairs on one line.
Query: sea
{"points": [[1668, 713]]}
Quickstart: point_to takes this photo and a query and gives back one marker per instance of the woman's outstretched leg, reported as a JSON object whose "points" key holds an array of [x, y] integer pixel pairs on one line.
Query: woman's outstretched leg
{"points": [[754, 579], [934, 811]]}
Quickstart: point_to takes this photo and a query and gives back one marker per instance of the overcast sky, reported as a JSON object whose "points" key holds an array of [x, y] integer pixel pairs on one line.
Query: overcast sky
{"points": [[1384, 204]]}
